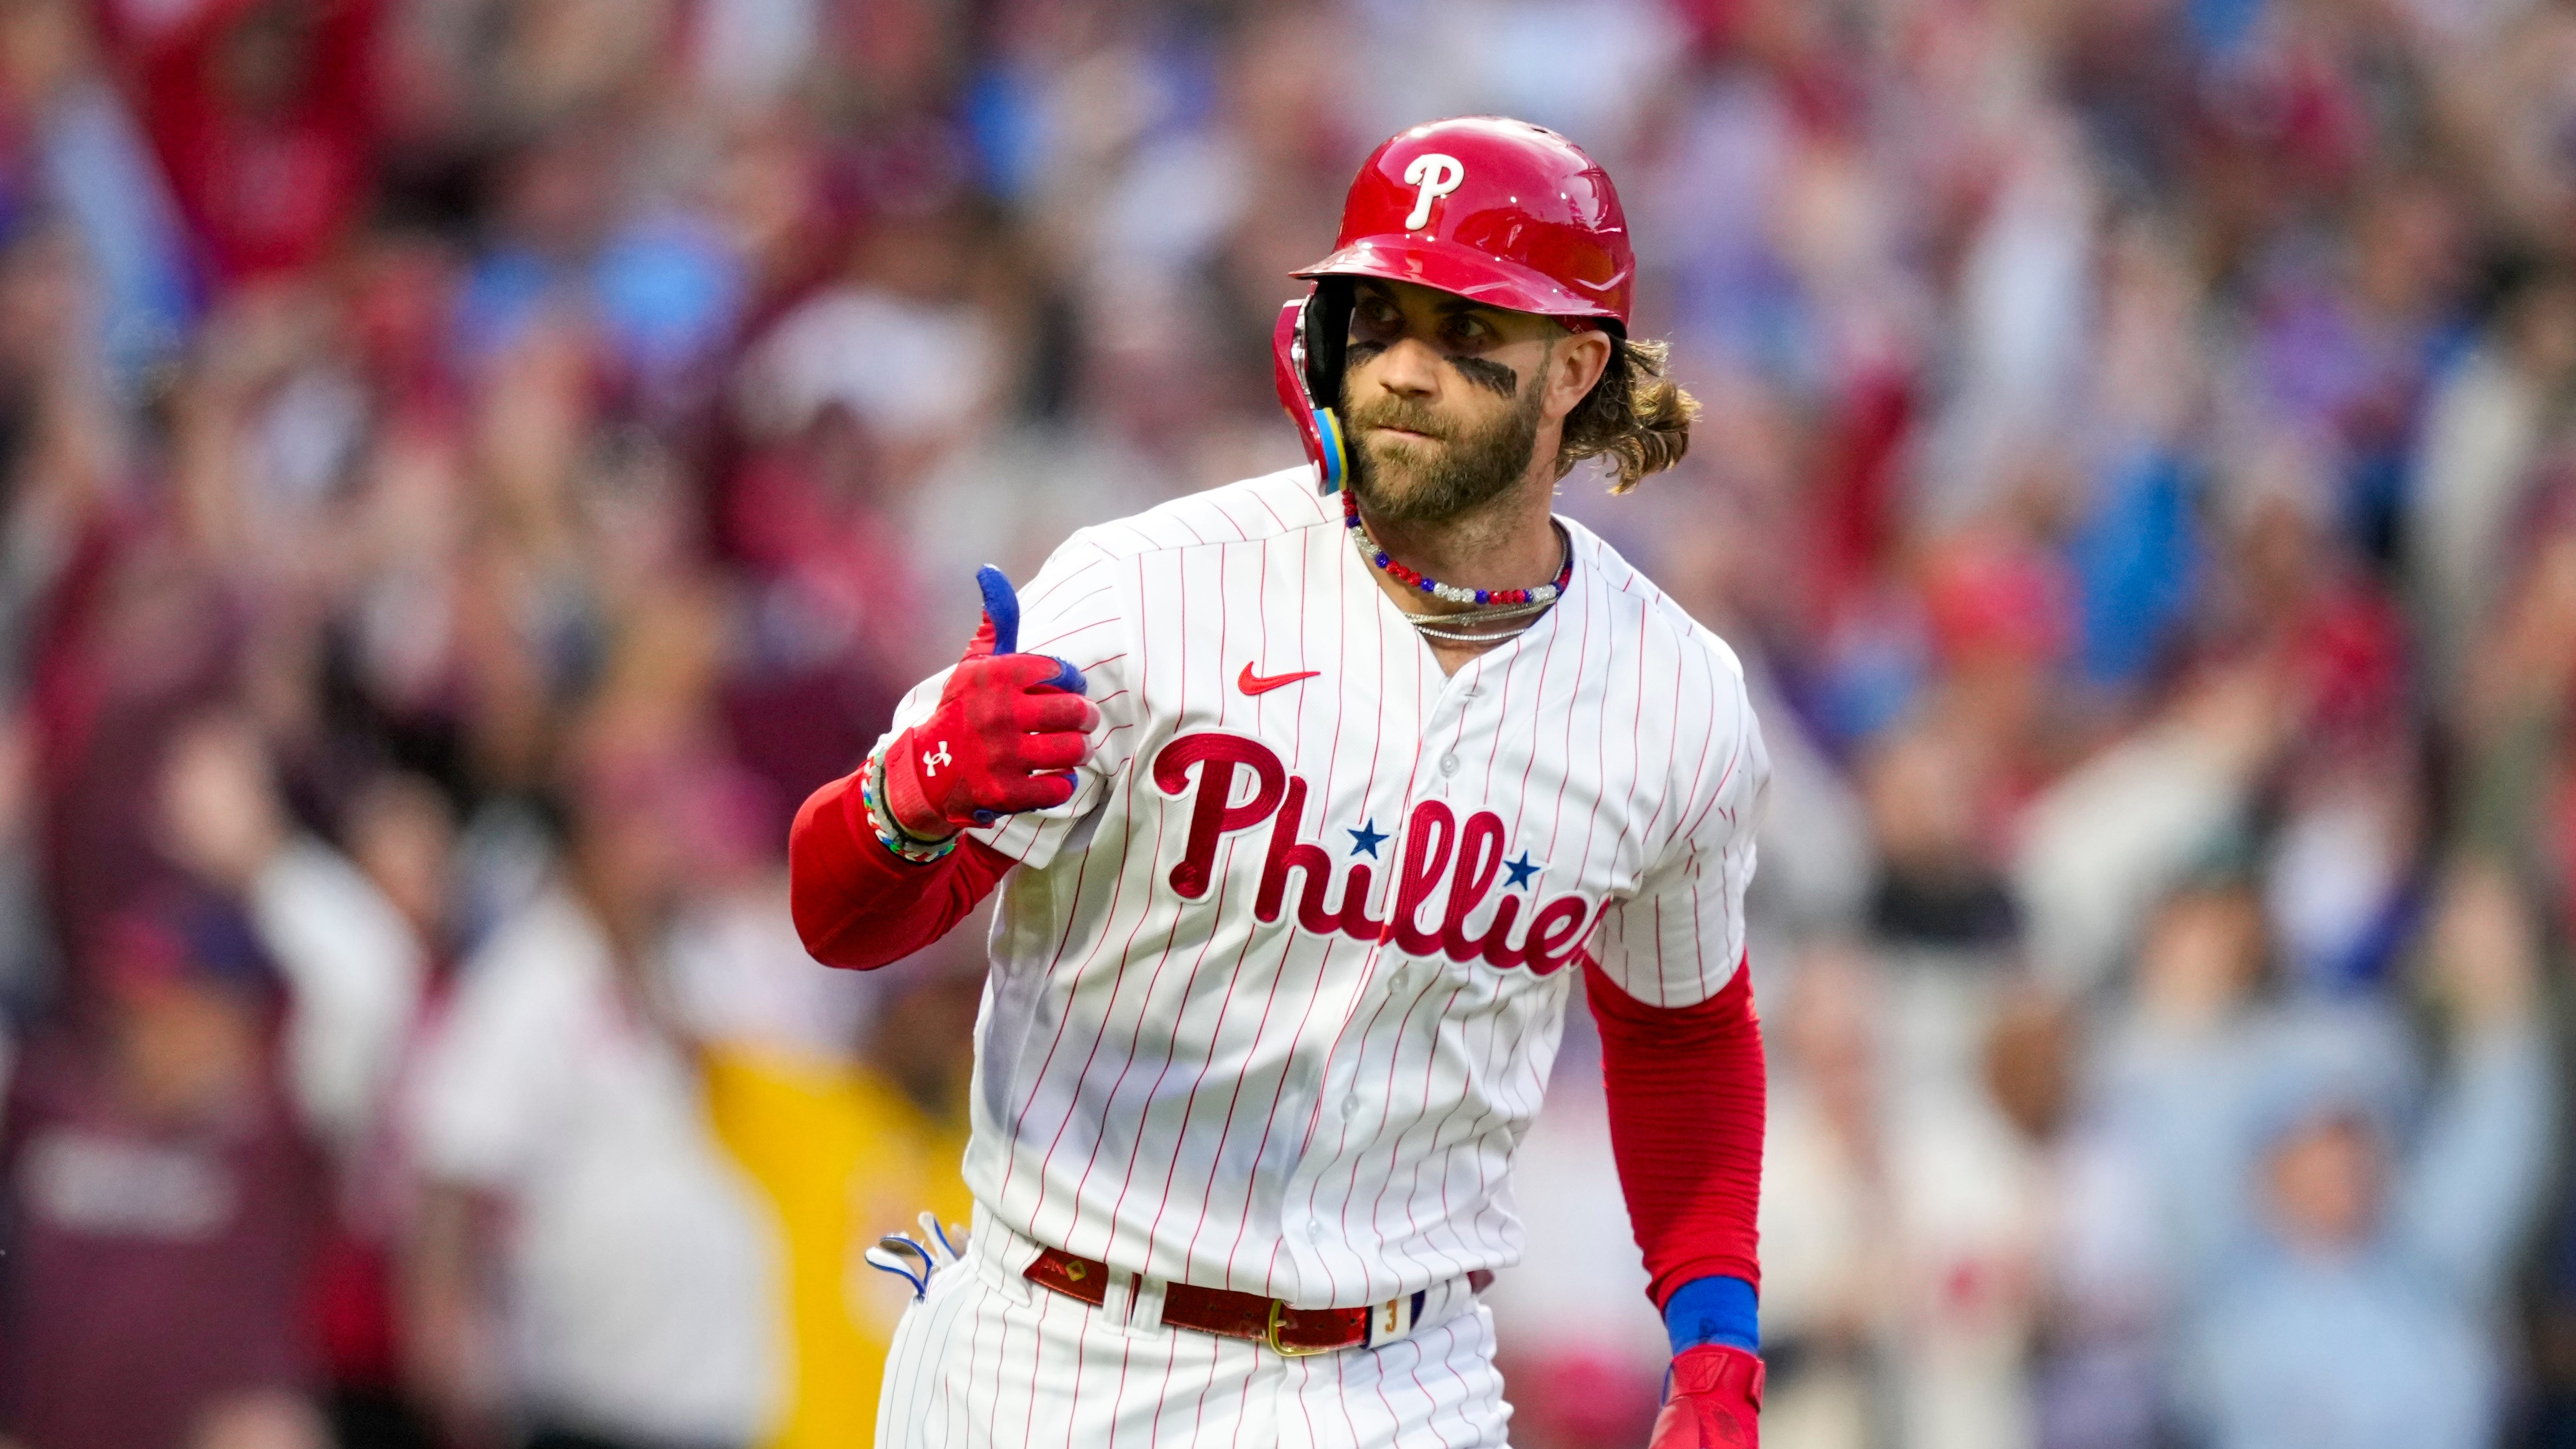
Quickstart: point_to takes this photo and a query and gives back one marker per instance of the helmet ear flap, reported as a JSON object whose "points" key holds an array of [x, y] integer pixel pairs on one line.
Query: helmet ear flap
{"points": [[1309, 346], [1325, 332]]}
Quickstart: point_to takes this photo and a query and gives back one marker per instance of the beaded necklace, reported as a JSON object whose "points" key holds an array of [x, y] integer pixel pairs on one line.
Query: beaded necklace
{"points": [[1491, 606], [1542, 594]]}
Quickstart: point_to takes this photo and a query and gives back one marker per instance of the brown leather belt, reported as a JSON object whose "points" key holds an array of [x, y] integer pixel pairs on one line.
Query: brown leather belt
{"points": [[1295, 1332]]}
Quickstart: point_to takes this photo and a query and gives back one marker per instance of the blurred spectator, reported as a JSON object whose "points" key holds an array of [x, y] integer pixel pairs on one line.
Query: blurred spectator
{"points": [[353, 962], [2103, 845], [2366, 1310], [2183, 1067], [854, 1124], [98, 163], [559, 1127], [1900, 1233], [261, 111], [353, 948], [2097, 1347], [1824, 1271], [2486, 429], [402, 834], [164, 1208]]}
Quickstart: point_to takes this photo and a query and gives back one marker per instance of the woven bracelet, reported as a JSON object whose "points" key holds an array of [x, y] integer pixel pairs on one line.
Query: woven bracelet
{"points": [[881, 820]]}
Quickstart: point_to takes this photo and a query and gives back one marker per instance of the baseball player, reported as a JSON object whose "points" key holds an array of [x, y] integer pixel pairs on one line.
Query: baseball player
{"points": [[1307, 801]]}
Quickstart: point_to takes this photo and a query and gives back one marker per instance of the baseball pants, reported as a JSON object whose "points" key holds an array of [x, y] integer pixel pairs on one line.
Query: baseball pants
{"points": [[987, 1358]]}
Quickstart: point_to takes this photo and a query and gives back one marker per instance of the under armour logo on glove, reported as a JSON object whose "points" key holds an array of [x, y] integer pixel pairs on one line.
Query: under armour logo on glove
{"points": [[931, 760]]}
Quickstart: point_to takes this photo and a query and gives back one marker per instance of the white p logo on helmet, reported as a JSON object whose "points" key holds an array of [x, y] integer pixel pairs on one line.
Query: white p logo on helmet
{"points": [[1437, 175]]}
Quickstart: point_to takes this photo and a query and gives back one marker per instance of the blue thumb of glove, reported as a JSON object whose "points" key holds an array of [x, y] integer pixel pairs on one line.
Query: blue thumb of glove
{"points": [[1002, 606]]}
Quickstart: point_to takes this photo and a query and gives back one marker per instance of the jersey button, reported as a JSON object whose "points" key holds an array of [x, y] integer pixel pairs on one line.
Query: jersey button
{"points": [[1350, 1108], [1449, 763]]}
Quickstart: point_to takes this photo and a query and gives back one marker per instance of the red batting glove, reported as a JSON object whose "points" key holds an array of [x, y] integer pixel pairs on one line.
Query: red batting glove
{"points": [[1716, 1401], [1009, 729]]}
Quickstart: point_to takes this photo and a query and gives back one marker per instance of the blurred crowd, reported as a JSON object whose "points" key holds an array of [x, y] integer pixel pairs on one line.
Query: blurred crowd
{"points": [[470, 466]]}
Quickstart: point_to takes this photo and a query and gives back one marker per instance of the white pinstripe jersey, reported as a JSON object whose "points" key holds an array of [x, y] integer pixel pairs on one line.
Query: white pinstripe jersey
{"points": [[1275, 995]]}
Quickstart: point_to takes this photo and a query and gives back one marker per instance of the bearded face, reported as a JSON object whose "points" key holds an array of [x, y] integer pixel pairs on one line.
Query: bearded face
{"points": [[1413, 461], [1439, 429]]}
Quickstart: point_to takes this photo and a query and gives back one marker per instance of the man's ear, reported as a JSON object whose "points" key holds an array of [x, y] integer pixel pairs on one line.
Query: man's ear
{"points": [[1572, 365]]}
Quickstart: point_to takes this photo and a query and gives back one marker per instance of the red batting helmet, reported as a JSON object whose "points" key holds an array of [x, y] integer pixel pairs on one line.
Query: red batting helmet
{"points": [[1500, 211]]}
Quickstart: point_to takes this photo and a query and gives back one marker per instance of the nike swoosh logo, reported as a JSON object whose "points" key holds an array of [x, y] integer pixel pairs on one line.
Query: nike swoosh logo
{"points": [[1251, 683]]}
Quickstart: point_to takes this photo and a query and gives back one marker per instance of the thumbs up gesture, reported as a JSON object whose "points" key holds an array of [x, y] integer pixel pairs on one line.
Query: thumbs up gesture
{"points": [[1008, 731]]}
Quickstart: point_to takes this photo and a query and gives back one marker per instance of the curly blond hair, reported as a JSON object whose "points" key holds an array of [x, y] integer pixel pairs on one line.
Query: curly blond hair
{"points": [[1635, 416]]}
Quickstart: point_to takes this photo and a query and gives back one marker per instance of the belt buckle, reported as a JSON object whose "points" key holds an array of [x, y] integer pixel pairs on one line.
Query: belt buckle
{"points": [[1279, 1314]]}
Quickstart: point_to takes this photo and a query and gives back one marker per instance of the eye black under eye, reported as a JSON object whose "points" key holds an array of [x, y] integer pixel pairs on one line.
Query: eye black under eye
{"points": [[1492, 376]]}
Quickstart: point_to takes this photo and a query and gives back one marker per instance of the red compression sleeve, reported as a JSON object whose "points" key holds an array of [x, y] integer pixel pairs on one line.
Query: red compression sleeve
{"points": [[1686, 1093], [858, 904]]}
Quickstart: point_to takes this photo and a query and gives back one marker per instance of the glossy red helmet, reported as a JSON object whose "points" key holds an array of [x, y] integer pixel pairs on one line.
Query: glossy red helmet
{"points": [[1500, 211]]}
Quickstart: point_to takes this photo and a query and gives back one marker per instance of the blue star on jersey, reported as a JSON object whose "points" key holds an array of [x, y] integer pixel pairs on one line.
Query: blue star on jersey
{"points": [[1522, 869], [1366, 839]]}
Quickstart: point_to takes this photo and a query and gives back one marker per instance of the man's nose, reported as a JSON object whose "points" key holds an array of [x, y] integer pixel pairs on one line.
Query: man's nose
{"points": [[1410, 368]]}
